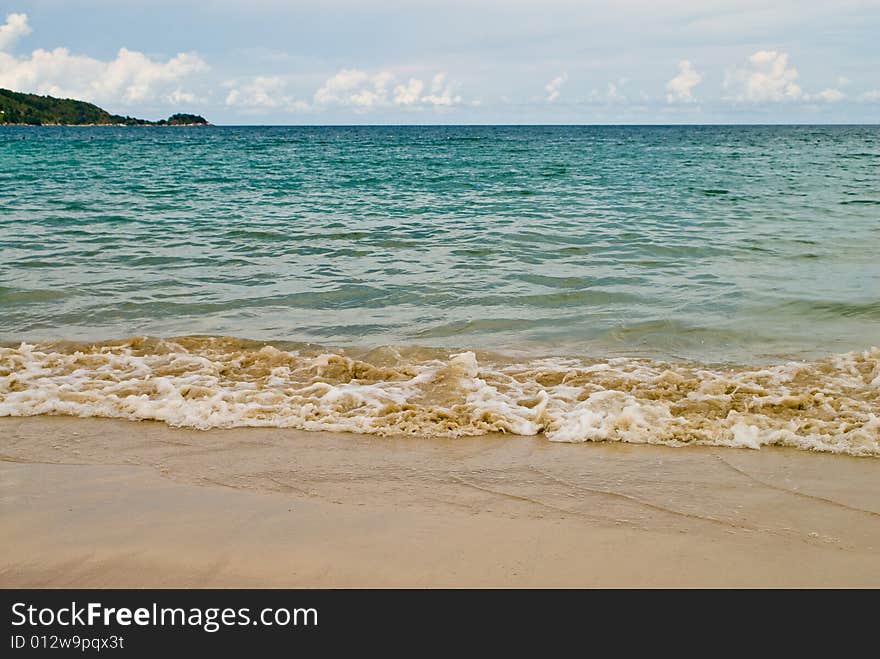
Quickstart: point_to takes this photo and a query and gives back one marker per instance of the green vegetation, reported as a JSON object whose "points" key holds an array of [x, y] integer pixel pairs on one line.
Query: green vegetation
{"points": [[182, 120], [34, 110]]}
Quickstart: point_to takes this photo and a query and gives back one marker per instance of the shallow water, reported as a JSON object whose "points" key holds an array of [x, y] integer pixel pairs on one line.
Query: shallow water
{"points": [[735, 244]]}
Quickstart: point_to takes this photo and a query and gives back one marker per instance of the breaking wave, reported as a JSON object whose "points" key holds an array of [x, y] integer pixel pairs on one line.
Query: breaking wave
{"points": [[829, 405]]}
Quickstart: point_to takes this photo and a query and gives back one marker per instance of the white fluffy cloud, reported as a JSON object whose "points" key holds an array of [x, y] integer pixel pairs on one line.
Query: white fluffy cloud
{"points": [[409, 93], [16, 26], [364, 91], [442, 92], [359, 90], [355, 87], [263, 92], [766, 77], [680, 87], [554, 86], [130, 78]]}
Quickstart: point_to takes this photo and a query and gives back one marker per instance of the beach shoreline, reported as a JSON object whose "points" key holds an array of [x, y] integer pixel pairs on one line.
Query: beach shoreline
{"points": [[220, 382], [113, 503]]}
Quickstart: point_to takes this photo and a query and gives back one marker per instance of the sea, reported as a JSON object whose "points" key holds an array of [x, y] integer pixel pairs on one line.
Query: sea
{"points": [[677, 285]]}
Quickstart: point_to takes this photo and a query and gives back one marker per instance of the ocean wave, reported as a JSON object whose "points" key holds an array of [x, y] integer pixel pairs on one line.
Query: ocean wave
{"points": [[829, 405]]}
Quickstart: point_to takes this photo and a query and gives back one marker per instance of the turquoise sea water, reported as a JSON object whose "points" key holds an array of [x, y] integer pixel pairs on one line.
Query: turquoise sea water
{"points": [[711, 243], [671, 285]]}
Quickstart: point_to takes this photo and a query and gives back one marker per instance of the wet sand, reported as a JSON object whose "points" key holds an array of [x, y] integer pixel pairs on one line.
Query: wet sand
{"points": [[105, 503]]}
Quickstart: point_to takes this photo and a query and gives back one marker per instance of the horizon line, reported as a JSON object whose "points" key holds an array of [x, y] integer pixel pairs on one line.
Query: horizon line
{"points": [[460, 125]]}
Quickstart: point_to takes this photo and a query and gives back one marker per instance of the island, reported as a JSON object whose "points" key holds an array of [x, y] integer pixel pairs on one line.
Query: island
{"points": [[17, 108]]}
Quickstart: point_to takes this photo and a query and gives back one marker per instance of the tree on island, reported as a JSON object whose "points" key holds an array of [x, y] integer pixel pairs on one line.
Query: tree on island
{"points": [[181, 119], [35, 110]]}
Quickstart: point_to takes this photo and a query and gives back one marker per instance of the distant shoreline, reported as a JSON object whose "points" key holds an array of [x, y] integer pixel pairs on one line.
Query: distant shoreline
{"points": [[22, 109], [108, 125], [487, 125]]}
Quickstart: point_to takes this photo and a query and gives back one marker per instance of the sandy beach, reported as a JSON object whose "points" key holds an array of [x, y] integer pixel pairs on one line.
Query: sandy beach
{"points": [[105, 503]]}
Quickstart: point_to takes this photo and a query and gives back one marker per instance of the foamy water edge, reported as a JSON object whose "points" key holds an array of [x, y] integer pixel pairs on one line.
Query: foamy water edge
{"points": [[829, 405]]}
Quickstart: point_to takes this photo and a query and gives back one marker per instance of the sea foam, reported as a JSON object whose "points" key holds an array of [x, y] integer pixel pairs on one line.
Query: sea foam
{"points": [[829, 405]]}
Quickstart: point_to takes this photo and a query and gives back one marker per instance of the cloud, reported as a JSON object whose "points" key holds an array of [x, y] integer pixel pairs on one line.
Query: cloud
{"points": [[16, 26], [611, 96], [769, 78], [409, 93], [355, 87], [181, 97], [130, 78], [442, 92], [766, 77], [553, 87], [263, 92], [872, 95], [830, 95], [680, 87], [366, 91]]}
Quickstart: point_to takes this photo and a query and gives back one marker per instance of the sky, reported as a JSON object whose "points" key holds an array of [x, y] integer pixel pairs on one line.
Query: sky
{"points": [[453, 61]]}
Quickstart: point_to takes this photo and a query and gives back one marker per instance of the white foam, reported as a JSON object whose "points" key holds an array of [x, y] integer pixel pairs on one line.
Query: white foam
{"points": [[829, 405]]}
